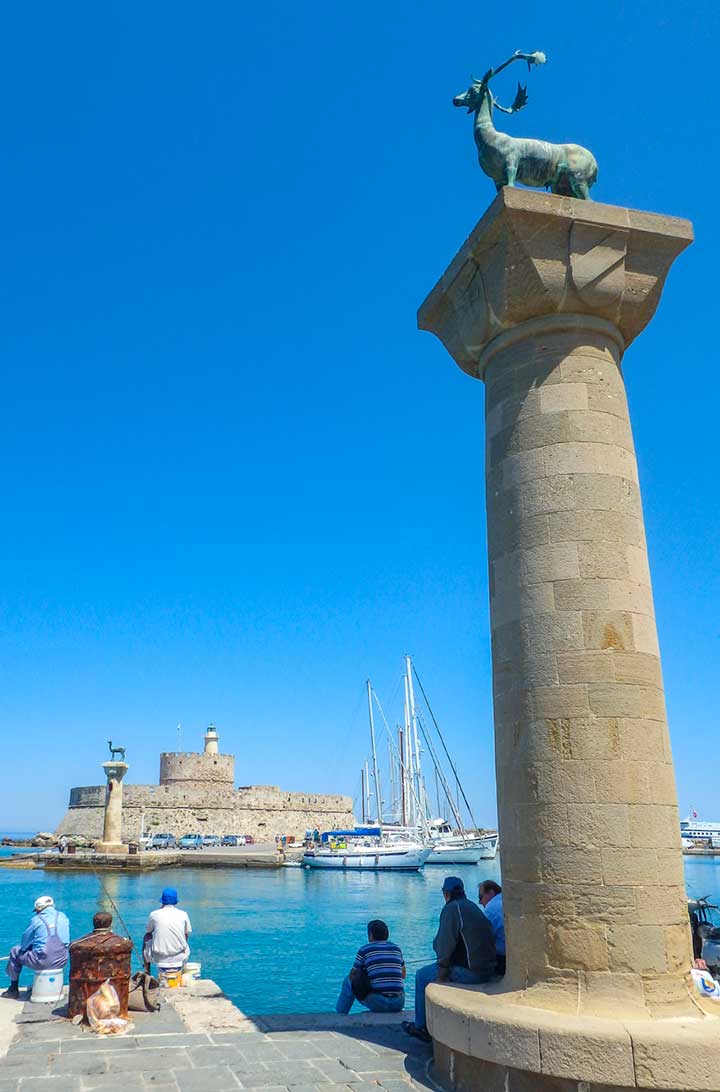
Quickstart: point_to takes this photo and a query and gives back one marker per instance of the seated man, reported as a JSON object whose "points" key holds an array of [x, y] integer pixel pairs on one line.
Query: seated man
{"points": [[165, 941], [464, 947], [43, 946], [376, 977], [490, 898]]}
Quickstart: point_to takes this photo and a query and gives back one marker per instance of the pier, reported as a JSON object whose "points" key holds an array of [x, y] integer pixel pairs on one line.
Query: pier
{"points": [[262, 856], [199, 1040]]}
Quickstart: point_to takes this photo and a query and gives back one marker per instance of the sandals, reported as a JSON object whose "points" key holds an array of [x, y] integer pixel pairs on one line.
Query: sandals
{"points": [[417, 1033]]}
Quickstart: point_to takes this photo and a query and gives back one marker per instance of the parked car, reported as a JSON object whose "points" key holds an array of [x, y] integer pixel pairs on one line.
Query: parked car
{"points": [[191, 841], [233, 840], [209, 841], [162, 841], [249, 840]]}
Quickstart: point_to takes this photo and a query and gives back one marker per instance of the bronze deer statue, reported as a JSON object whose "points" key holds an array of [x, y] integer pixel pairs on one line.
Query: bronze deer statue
{"points": [[116, 751], [566, 169]]}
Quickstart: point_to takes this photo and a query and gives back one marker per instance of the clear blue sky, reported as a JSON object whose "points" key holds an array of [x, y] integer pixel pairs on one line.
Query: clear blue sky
{"points": [[236, 480]]}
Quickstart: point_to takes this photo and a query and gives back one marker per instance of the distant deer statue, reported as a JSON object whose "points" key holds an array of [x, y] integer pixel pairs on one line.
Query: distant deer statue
{"points": [[116, 751], [566, 169]]}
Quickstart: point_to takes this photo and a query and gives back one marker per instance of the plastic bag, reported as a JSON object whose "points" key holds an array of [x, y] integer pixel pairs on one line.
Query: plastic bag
{"points": [[705, 984], [102, 1009]]}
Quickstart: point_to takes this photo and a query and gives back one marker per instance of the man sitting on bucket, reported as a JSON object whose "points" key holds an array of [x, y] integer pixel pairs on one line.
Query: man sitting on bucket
{"points": [[43, 946], [465, 950], [165, 941]]}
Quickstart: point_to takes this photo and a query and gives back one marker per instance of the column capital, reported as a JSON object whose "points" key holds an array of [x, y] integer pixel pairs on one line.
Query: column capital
{"points": [[115, 771], [534, 255]]}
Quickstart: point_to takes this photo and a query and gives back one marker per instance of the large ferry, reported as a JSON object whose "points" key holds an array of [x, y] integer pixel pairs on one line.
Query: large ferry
{"points": [[693, 829]]}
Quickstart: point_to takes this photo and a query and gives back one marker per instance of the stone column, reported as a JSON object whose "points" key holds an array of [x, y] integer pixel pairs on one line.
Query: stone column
{"points": [[112, 827], [541, 302]]}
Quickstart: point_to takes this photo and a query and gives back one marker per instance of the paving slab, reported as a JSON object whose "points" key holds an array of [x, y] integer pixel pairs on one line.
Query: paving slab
{"points": [[261, 1052], [135, 1061], [219, 1078], [42, 1084], [305, 1049], [100, 1082], [161, 1080], [214, 1054], [82, 1064]]}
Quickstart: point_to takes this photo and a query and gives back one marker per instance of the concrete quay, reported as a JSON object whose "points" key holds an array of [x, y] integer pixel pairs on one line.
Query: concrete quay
{"points": [[200, 1041], [262, 856]]}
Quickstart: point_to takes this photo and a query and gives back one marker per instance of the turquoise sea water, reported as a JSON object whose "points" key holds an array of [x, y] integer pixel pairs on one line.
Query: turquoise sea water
{"points": [[275, 940]]}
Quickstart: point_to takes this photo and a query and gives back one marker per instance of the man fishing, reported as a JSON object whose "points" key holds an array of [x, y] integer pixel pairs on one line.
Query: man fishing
{"points": [[43, 946], [166, 936], [464, 947]]}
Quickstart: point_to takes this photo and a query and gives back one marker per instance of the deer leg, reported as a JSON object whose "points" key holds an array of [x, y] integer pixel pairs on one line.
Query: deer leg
{"points": [[512, 170]]}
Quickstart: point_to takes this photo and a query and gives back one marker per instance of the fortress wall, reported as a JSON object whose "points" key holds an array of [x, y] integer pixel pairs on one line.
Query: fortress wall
{"points": [[260, 810], [177, 767], [260, 796]]}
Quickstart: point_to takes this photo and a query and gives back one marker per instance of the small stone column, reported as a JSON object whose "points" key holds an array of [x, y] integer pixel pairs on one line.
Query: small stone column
{"points": [[112, 826], [541, 302]]}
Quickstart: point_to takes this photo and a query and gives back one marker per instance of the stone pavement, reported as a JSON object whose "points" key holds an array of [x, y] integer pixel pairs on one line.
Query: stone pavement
{"points": [[313, 1053]]}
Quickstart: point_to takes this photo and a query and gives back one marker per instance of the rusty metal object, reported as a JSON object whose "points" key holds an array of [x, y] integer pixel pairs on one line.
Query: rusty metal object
{"points": [[93, 959]]}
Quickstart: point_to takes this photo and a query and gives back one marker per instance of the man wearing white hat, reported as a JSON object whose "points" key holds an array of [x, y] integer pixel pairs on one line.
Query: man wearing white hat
{"points": [[43, 945]]}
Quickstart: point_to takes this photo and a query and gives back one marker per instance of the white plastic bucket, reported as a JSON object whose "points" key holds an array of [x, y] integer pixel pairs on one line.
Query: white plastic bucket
{"points": [[47, 987], [192, 970]]}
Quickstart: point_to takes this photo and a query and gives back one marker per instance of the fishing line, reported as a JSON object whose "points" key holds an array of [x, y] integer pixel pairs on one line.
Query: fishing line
{"points": [[114, 906]]}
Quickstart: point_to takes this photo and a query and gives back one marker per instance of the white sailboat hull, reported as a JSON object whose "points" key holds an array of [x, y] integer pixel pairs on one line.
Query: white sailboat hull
{"points": [[447, 855], [464, 851], [489, 847], [368, 858]]}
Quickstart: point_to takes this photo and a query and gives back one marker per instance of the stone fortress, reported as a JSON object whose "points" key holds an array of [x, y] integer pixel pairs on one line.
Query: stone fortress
{"points": [[196, 794]]}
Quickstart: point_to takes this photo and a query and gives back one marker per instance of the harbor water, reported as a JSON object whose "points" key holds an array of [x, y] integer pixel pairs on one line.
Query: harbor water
{"points": [[275, 940]]}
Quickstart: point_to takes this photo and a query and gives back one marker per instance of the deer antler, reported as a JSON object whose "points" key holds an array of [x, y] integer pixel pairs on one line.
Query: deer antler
{"points": [[531, 58], [519, 102], [521, 97]]}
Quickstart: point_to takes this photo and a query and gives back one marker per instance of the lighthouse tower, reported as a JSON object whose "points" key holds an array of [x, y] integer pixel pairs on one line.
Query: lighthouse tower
{"points": [[211, 740]]}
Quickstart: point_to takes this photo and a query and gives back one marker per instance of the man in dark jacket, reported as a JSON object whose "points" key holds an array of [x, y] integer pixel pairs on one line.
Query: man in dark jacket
{"points": [[465, 950]]}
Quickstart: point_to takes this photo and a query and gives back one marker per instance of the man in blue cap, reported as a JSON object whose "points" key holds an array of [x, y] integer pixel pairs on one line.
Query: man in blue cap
{"points": [[165, 942], [465, 950]]}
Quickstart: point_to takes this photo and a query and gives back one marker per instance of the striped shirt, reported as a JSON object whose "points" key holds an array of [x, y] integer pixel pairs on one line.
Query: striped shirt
{"points": [[383, 962]]}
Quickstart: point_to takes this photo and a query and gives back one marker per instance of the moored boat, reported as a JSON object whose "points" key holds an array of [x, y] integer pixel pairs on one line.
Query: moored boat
{"points": [[366, 850]]}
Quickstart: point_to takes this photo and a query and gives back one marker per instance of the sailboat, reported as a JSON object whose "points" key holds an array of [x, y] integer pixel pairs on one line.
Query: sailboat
{"points": [[448, 845], [368, 848]]}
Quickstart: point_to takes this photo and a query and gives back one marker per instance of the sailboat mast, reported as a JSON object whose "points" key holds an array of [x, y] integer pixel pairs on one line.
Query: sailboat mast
{"points": [[403, 788], [415, 742], [376, 775], [393, 779], [408, 759]]}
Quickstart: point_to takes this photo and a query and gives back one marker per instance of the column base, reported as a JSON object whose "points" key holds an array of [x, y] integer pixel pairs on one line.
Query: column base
{"points": [[492, 1041], [114, 848]]}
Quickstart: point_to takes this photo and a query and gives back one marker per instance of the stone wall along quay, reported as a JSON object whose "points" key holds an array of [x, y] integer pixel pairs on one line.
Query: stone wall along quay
{"points": [[541, 302]]}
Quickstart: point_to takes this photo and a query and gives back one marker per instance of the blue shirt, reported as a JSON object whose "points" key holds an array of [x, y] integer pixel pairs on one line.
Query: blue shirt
{"points": [[35, 936], [494, 914], [383, 962]]}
